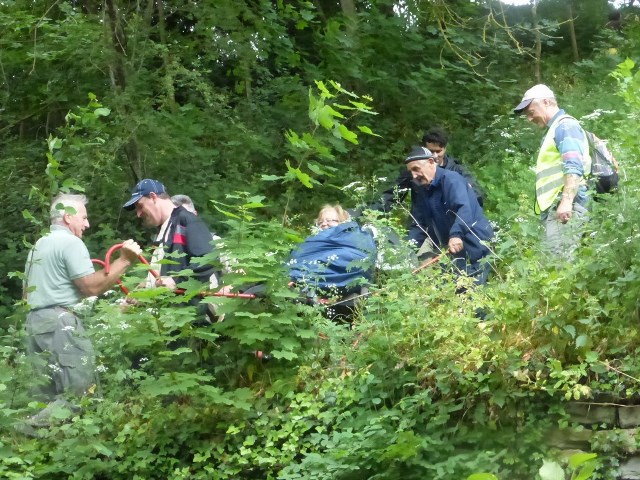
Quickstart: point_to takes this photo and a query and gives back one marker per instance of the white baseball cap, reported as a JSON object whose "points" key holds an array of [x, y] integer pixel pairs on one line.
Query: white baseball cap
{"points": [[537, 91]]}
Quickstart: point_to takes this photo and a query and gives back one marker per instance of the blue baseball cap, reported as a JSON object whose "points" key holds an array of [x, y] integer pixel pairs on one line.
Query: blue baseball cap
{"points": [[143, 189]]}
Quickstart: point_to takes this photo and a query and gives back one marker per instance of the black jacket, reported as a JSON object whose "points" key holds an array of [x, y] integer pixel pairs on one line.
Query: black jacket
{"points": [[186, 238]]}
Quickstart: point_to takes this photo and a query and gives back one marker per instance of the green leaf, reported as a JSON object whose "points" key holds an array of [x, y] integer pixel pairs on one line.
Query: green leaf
{"points": [[283, 354], [26, 214], [581, 341], [100, 448], [325, 117], [571, 330], [551, 471], [482, 476], [333, 112], [323, 89], [271, 178], [347, 134], [591, 356], [226, 213], [368, 131], [585, 472], [339, 88], [71, 184], [101, 112], [55, 143], [303, 177], [578, 459], [177, 351]]}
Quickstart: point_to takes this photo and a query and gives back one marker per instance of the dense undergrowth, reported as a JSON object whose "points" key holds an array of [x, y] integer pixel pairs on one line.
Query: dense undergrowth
{"points": [[418, 388]]}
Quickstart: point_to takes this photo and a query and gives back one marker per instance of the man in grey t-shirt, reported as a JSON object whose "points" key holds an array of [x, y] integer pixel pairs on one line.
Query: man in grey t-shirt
{"points": [[59, 274]]}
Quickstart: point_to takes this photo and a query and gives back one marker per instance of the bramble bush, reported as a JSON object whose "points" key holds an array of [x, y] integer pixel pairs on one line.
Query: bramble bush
{"points": [[418, 387]]}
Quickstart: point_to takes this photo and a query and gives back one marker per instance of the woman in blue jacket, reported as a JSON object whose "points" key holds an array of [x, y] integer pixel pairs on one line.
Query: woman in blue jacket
{"points": [[338, 259]]}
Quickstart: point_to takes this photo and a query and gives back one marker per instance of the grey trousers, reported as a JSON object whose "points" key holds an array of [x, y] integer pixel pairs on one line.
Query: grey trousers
{"points": [[562, 239], [60, 351]]}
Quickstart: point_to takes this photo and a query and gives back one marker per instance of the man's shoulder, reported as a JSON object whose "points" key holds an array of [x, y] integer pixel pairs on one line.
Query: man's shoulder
{"points": [[452, 175], [60, 237]]}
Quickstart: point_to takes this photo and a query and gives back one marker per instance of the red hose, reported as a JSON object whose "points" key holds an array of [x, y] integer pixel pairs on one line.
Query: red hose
{"points": [[106, 264]]}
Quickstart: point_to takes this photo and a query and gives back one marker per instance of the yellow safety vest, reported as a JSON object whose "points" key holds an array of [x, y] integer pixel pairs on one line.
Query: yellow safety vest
{"points": [[549, 174]]}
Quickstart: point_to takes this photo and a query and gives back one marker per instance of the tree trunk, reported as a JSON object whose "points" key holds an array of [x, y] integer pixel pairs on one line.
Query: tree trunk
{"points": [[572, 32], [536, 28], [348, 8], [170, 96], [117, 71]]}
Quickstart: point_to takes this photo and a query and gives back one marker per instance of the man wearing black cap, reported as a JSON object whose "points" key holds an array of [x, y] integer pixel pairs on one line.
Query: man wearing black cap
{"points": [[182, 236], [563, 159], [436, 140], [447, 211]]}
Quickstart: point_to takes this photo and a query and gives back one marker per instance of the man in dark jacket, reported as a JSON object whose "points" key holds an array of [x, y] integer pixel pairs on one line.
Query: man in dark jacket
{"points": [[448, 214], [436, 141], [182, 237]]}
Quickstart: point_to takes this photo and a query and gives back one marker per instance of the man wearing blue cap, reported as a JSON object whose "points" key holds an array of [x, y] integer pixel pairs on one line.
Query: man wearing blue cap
{"points": [[447, 211], [183, 236], [563, 160]]}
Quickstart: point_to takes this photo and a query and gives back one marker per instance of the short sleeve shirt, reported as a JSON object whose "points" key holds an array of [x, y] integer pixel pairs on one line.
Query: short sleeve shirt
{"points": [[56, 260]]}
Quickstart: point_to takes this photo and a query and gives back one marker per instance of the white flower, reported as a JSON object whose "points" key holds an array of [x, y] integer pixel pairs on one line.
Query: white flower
{"points": [[124, 325], [101, 368], [351, 185]]}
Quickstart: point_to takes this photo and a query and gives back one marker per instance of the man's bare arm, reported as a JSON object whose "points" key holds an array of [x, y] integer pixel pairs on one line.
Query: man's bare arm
{"points": [[99, 282]]}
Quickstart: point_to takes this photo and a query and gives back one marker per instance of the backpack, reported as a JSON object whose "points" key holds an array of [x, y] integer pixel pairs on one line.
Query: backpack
{"points": [[604, 166]]}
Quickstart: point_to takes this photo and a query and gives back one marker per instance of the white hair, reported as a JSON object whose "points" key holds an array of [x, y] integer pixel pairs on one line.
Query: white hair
{"points": [[62, 202], [185, 202]]}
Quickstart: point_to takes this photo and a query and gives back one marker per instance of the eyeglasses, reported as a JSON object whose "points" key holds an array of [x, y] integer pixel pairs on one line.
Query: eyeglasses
{"points": [[327, 221]]}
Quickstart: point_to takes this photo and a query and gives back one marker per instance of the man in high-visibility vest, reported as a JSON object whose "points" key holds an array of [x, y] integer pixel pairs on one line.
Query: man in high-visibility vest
{"points": [[563, 161]]}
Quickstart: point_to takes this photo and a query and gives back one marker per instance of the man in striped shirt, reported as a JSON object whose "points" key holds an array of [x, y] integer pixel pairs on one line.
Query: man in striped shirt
{"points": [[561, 166]]}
